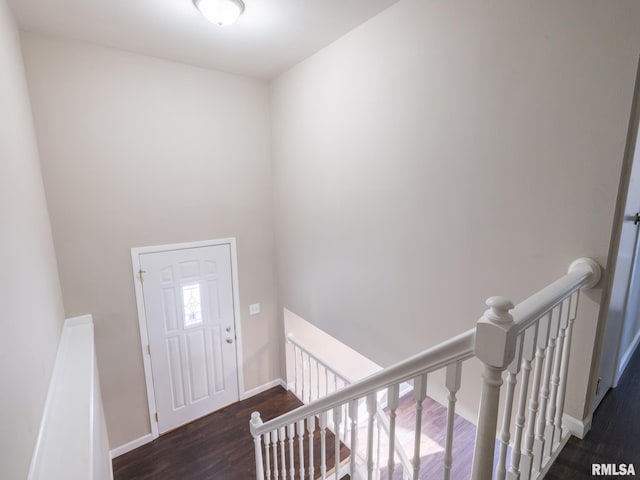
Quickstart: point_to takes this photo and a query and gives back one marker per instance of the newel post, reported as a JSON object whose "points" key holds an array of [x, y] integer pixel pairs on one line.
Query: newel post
{"points": [[255, 422], [495, 347]]}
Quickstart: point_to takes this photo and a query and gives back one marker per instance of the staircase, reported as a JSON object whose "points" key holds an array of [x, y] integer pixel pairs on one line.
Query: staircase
{"points": [[530, 341]]}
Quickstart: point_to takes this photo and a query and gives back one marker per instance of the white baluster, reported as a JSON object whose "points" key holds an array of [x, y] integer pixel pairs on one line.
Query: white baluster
{"points": [[553, 434], [326, 381], [274, 443], [372, 407], [505, 435], [494, 347], [336, 426], [452, 382], [309, 375], [392, 403], [301, 447], [283, 437], [528, 352], [538, 446], [311, 427], [302, 375], [419, 394], [255, 422], [377, 467], [345, 422], [353, 416], [291, 430], [549, 432], [312, 397], [295, 370], [318, 395], [267, 453], [566, 353], [309, 379], [526, 461], [323, 445]]}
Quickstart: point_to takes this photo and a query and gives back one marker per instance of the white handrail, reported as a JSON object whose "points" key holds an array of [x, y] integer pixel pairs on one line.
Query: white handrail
{"points": [[453, 350], [583, 273]]}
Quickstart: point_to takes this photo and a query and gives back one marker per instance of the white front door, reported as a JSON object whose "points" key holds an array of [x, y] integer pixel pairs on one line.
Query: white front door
{"points": [[189, 310]]}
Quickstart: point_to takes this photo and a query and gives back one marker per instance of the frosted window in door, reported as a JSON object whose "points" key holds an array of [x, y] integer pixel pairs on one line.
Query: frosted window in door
{"points": [[192, 305]]}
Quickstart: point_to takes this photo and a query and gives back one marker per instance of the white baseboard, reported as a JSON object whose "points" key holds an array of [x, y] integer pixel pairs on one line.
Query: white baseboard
{"points": [[138, 442], [624, 360], [278, 382], [550, 460], [132, 445], [579, 428]]}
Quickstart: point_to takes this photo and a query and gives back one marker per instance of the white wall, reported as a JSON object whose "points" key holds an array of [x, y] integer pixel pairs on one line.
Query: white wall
{"points": [[440, 148], [73, 443], [344, 360], [445, 152], [31, 316], [139, 151]]}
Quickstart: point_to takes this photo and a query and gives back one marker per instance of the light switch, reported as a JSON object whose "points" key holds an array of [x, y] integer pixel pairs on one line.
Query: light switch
{"points": [[254, 309]]}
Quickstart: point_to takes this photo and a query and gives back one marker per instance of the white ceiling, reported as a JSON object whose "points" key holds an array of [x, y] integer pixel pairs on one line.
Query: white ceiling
{"points": [[269, 38]]}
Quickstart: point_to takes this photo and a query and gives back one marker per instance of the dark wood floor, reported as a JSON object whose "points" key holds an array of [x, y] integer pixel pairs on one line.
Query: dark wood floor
{"points": [[216, 447], [219, 446], [615, 432], [434, 429]]}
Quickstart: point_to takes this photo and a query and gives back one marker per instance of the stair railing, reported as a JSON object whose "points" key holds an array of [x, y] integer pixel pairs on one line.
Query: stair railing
{"points": [[445, 355], [536, 332], [314, 378]]}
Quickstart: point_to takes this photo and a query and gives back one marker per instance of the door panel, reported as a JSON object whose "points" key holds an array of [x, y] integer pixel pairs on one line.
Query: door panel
{"points": [[176, 383], [188, 301]]}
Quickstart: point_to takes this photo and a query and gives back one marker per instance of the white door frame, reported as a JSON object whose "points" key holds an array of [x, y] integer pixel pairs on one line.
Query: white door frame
{"points": [[608, 334], [142, 318]]}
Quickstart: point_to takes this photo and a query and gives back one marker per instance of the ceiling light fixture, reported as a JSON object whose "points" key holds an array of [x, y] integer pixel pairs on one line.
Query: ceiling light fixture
{"points": [[220, 12]]}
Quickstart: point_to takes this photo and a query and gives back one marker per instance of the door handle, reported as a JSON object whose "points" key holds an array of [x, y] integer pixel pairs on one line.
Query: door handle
{"points": [[636, 218], [229, 340]]}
